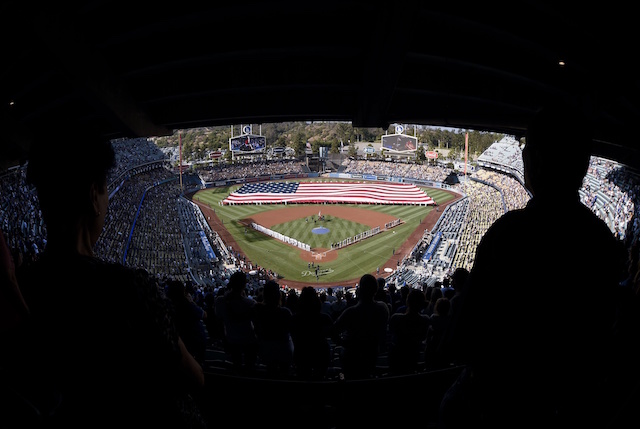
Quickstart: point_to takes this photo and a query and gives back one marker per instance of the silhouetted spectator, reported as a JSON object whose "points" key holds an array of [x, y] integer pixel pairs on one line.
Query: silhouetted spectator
{"points": [[189, 319], [436, 294], [393, 292], [407, 331], [236, 311], [291, 300], [446, 350], [361, 330], [382, 294], [458, 282], [338, 305], [434, 354], [310, 330], [273, 330], [400, 306], [331, 298], [13, 308], [541, 363], [215, 327], [325, 306], [100, 337]]}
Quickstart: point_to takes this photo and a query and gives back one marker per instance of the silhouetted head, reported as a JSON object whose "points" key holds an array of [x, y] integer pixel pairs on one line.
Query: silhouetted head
{"points": [[415, 300], [459, 278], [309, 301], [237, 282], [69, 169], [557, 150], [367, 287], [271, 293], [442, 307], [176, 290]]}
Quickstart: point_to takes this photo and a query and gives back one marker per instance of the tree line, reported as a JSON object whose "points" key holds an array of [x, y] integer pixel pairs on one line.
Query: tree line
{"points": [[197, 143]]}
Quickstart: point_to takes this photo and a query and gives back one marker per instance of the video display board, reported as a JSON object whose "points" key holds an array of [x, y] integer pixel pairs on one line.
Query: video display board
{"points": [[399, 143], [247, 143]]}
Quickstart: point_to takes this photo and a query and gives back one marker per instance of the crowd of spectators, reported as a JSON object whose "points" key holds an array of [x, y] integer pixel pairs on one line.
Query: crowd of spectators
{"points": [[435, 173], [156, 241], [131, 153], [487, 202], [123, 209], [485, 206], [311, 302], [504, 155], [609, 189], [612, 192], [174, 248], [219, 172], [171, 245], [150, 225], [20, 216], [514, 194]]}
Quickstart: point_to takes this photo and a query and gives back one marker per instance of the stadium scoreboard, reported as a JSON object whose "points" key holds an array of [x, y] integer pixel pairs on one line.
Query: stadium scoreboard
{"points": [[399, 143], [247, 143]]}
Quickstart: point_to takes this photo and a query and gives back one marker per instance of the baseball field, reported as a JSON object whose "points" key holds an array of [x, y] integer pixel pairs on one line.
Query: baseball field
{"points": [[320, 226]]}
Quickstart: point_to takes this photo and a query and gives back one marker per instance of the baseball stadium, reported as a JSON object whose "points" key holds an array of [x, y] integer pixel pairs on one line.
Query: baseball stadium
{"points": [[407, 223], [327, 215]]}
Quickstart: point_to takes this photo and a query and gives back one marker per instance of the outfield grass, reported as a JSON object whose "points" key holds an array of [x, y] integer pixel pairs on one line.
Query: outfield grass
{"points": [[352, 262]]}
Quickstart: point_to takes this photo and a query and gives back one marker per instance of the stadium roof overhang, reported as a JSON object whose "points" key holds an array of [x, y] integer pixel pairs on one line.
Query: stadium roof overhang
{"points": [[146, 71]]}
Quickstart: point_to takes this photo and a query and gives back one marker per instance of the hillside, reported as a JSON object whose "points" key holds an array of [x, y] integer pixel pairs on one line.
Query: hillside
{"points": [[198, 142]]}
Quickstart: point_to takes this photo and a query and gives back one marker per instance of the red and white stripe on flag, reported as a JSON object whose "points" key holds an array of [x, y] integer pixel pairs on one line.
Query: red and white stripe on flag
{"points": [[336, 192]]}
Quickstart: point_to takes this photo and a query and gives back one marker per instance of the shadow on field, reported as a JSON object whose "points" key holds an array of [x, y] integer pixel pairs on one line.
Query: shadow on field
{"points": [[251, 235]]}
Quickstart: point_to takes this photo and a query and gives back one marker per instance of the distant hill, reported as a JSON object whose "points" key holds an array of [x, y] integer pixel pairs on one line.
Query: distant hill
{"points": [[198, 142]]}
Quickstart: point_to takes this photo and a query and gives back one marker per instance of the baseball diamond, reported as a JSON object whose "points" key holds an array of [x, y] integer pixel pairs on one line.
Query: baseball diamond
{"points": [[337, 267]]}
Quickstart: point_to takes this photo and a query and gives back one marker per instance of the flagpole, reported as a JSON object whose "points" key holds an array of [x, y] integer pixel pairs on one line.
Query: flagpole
{"points": [[180, 152], [466, 151]]}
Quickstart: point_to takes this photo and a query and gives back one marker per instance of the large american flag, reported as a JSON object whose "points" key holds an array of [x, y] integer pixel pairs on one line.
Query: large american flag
{"points": [[329, 192]]}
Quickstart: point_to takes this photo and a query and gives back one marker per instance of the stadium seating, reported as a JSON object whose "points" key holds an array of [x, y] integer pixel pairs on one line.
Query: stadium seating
{"points": [[335, 400], [327, 404]]}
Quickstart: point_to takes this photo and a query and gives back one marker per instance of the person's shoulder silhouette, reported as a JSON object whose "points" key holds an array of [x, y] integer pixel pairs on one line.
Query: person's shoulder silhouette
{"points": [[103, 334], [189, 318], [310, 330], [272, 323], [362, 330], [408, 330], [556, 244], [237, 311]]}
